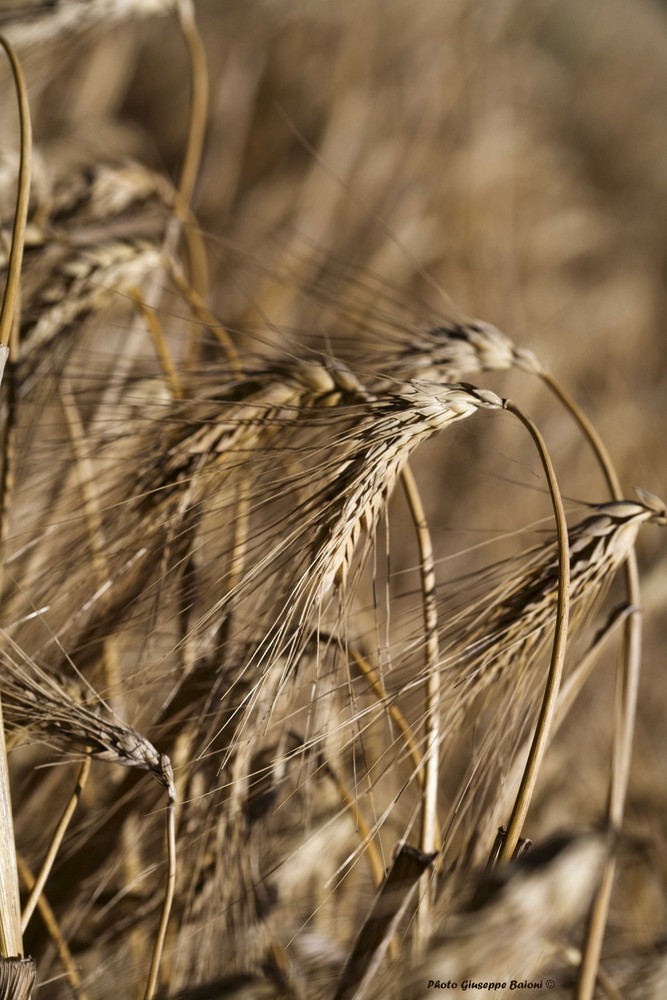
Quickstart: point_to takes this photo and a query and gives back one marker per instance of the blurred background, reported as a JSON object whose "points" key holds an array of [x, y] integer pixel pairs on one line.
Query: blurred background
{"points": [[497, 158]]}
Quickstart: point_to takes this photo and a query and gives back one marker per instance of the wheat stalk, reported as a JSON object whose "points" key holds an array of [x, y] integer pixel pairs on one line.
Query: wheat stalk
{"points": [[474, 347], [18, 974]]}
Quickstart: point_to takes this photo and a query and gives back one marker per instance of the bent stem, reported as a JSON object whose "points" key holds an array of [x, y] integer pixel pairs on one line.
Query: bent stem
{"points": [[550, 697], [198, 100], [10, 299], [199, 103], [627, 687], [568, 694]]}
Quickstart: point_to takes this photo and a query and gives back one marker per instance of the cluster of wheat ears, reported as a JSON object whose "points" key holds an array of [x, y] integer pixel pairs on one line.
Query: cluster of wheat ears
{"points": [[196, 528]]}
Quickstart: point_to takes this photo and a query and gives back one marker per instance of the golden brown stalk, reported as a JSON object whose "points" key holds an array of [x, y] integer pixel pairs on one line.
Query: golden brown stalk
{"points": [[11, 291], [429, 836], [393, 710], [170, 888], [160, 344], [198, 101], [550, 699], [11, 943]]}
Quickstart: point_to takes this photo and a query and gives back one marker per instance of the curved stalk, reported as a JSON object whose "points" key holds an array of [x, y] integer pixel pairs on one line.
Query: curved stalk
{"points": [[198, 100], [10, 297], [550, 697]]}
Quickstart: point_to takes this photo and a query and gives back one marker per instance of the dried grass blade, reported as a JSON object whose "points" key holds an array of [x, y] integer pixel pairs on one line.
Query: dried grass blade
{"points": [[391, 902]]}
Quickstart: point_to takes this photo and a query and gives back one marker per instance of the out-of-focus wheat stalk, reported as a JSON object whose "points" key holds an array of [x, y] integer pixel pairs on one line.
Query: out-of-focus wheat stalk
{"points": [[17, 973], [27, 23]]}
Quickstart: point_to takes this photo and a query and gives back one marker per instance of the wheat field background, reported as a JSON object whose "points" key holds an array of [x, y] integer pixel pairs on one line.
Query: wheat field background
{"points": [[210, 551]]}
